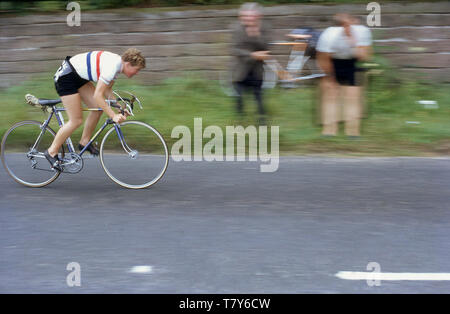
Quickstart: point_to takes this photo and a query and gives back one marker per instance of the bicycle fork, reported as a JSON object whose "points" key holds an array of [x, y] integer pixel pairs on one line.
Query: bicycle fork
{"points": [[131, 152]]}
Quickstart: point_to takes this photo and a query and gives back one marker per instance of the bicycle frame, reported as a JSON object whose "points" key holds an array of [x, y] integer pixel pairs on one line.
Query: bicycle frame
{"points": [[57, 112], [71, 162]]}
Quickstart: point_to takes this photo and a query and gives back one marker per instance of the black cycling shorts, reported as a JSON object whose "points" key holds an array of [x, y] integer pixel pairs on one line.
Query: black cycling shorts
{"points": [[344, 71], [67, 80]]}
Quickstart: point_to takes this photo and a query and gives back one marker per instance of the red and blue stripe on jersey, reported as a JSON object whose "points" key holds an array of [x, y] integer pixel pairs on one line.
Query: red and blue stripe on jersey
{"points": [[97, 64]]}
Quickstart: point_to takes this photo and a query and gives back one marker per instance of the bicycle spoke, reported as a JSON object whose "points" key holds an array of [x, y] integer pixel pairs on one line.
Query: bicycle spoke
{"points": [[22, 154], [134, 155]]}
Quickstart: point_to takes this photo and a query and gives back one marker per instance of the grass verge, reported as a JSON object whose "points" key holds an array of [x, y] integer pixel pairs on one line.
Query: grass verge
{"points": [[396, 125]]}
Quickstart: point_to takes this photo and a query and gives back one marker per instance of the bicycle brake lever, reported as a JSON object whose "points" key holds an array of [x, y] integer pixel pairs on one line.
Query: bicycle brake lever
{"points": [[130, 111], [139, 103], [133, 98]]}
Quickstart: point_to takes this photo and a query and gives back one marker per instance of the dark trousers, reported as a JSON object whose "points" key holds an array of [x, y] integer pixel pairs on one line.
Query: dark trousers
{"points": [[249, 83]]}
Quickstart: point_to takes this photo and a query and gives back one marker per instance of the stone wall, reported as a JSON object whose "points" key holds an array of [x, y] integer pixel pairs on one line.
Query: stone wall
{"points": [[414, 37]]}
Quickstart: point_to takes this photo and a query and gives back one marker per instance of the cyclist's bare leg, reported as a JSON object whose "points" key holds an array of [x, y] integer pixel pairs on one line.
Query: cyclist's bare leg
{"points": [[87, 95], [352, 109], [72, 103], [330, 94]]}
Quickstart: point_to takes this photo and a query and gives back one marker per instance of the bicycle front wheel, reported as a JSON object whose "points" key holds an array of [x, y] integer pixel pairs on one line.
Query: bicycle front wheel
{"points": [[134, 155], [22, 155]]}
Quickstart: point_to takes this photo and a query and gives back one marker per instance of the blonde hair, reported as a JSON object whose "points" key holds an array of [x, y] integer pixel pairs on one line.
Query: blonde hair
{"points": [[134, 56]]}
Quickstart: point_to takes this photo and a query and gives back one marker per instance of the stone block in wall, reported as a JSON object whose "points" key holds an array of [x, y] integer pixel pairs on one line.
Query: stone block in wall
{"points": [[420, 60]]}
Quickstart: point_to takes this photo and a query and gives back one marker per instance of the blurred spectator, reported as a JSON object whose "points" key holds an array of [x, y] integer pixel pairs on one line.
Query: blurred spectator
{"points": [[362, 74], [339, 49], [250, 49]]}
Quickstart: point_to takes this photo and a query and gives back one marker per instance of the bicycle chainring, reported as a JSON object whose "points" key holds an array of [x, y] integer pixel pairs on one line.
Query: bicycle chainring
{"points": [[72, 163]]}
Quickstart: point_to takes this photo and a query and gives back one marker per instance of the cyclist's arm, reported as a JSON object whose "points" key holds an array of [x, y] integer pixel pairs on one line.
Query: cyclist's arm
{"points": [[109, 92], [102, 90]]}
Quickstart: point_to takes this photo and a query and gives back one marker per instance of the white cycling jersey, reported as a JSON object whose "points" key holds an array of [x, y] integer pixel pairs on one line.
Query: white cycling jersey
{"points": [[97, 65], [333, 40]]}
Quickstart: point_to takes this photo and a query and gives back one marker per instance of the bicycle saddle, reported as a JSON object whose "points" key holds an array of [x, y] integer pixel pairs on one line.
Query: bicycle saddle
{"points": [[34, 101], [49, 102]]}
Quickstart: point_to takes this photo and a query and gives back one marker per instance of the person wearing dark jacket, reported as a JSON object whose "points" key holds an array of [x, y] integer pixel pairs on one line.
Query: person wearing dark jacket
{"points": [[250, 49]]}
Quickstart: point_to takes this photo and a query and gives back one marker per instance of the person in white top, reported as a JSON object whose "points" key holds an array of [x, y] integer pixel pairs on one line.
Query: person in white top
{"points": [[339, 49], [109, 66], [74, 84]]}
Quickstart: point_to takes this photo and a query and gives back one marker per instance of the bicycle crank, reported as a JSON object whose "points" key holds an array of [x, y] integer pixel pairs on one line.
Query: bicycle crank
{"points": [[72, 163]]}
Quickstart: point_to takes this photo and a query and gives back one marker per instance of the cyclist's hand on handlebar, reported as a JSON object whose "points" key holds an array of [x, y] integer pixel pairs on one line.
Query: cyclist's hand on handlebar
{"points": [[126, 113], [119, 118]]}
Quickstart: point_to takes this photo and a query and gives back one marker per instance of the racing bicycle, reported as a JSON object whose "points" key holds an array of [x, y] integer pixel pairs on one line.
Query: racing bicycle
{"points": [[133, 154]]}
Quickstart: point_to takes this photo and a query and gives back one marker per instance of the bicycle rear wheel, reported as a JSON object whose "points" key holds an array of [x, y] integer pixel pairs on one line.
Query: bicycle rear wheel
{"points": [[134, 155], [22, 154]]}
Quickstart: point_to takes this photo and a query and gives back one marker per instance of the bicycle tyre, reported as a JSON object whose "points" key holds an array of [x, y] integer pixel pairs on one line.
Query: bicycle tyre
{"points": [[111, 148], [5, 146]]}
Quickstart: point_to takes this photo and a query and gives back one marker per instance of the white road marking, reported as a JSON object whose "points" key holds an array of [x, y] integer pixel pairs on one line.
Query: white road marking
{"points": [[354, 275], [141, 269]]}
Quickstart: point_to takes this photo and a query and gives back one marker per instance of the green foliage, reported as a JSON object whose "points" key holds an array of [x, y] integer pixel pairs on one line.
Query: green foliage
{"points": [[55, 5], [177, 101], [107, 4]]}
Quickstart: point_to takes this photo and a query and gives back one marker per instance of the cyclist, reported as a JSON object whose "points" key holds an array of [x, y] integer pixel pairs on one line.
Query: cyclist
{"points": [[73, 82]]}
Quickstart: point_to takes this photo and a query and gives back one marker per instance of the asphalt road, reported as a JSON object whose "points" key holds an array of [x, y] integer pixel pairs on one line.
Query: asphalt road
{"points": [[225, 227]]}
